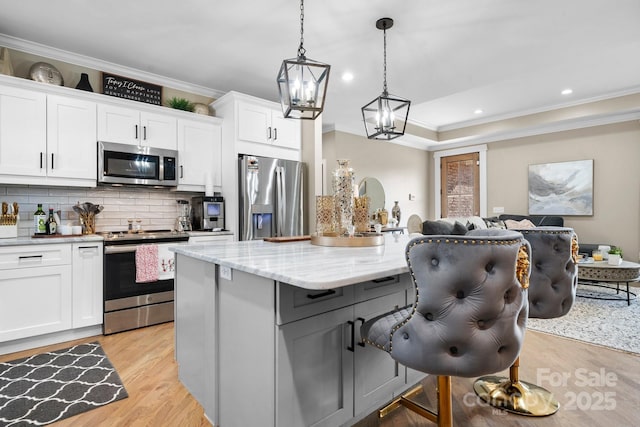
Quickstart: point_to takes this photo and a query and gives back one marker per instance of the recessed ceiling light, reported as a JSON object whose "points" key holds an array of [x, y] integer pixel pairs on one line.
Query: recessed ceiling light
{"points": [[567, 91], [347, 76], [478, 111]]}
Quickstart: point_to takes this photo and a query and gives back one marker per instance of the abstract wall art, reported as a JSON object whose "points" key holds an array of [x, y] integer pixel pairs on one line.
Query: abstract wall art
{"points": [[564, 188]]}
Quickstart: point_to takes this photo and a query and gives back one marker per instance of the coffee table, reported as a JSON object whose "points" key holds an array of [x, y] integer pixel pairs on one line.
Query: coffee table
{"points": [[599, 273]]}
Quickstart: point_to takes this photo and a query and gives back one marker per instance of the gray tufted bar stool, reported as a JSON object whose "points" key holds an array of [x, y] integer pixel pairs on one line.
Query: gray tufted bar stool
{"points": [[469, 313], [552, 291]]}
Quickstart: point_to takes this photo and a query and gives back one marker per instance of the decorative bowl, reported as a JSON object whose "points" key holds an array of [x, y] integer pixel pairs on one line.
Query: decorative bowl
{"points": [[45, 73]]}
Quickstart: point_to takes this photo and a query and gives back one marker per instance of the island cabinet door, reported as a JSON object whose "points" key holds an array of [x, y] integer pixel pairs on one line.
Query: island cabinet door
{"points": [[377, 375], [315, 371]]}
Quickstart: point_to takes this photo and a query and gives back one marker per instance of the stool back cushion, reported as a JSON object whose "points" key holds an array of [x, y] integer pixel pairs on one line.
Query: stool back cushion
{"points": [[554, 271], [470, 312]]}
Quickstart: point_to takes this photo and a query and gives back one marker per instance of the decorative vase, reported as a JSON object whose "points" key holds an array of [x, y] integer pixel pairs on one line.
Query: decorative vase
{"points": [[325, 215], [343, 186], [395, 212], [84, 84], [383, 217], [361, 214], [614, 259]]}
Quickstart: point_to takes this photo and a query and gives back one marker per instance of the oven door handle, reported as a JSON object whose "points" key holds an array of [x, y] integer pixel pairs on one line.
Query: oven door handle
{"points": [[119, 249]]}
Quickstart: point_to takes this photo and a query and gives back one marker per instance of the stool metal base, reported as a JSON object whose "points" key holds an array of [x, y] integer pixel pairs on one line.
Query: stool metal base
{"points": [[517, 397], [443, 417]]}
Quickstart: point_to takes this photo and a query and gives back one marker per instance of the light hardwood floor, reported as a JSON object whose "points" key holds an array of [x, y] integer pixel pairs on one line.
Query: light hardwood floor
{"points": [[595, 378]]}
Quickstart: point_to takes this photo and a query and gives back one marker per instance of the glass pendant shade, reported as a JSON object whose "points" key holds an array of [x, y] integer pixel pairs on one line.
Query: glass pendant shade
{"points": [[386, 117], [302, 84]]}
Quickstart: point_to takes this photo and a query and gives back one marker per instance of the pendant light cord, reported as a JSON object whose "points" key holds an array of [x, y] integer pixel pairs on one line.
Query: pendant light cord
{"points": [[301, 49], [384, 87]]}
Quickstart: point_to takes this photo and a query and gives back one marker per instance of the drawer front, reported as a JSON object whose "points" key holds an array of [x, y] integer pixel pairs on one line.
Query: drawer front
{"points": [[294, 303], [34, 256], [380, 287]]}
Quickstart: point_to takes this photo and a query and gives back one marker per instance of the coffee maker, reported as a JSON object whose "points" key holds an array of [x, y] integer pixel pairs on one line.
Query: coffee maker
{"points": [[183, 222], [208, 212]]}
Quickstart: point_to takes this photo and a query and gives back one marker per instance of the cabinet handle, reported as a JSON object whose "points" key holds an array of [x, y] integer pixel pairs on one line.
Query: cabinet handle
{"points": [[320, 295], [181, 172], [275, 133], [384, 279], [41, 159], [361, 342], [144, 133], [136, 131], [52, 167], [351, 347], [29, 256], [269, 132]]}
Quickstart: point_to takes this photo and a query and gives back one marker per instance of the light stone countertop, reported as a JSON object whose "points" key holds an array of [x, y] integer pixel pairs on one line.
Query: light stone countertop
{"points": [[303, 264], [17, 241], [200, 233]]}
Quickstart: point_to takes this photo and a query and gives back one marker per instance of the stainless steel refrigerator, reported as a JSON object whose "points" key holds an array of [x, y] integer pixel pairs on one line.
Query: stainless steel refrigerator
{"points": [[271, 197]]}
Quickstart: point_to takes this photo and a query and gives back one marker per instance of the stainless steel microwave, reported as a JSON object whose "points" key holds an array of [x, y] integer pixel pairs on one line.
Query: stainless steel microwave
{"points": [[136, 165]]}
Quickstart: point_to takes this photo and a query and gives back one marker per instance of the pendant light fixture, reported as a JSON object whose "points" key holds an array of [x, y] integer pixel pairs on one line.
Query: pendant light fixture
{"points": [[386, 116], [302, 82]]}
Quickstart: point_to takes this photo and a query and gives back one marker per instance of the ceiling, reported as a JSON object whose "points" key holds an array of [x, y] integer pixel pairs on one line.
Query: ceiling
{"points": [[505, 57]]}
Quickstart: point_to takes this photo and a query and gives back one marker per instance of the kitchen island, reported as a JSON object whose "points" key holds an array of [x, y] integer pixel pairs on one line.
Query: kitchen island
{"points": [[268, 333]]}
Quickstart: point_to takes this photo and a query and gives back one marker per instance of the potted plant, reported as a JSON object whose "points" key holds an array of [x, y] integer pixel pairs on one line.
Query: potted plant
{"points": [[615, 256], [180, 104]]}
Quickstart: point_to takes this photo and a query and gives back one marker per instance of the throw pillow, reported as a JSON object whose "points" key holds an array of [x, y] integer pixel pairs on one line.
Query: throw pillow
{"points": [[495, 222], [525, 223], [443, 228]]}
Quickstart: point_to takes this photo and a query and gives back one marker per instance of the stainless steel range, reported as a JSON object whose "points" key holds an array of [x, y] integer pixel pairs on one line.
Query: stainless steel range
{"points": [[131, 304]]}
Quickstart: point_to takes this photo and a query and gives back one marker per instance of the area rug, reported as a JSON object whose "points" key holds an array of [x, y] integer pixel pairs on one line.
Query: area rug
{"points": [[49, 387], [602, 322]]}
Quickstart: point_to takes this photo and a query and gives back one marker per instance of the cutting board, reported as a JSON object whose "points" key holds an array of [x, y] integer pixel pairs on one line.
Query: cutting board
{"points": [[53, 236], [285, 239]]}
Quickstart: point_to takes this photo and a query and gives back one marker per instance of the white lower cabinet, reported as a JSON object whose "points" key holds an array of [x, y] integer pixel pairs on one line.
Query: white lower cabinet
{"points": [[35, 284], [50, 290], [87, 284]]}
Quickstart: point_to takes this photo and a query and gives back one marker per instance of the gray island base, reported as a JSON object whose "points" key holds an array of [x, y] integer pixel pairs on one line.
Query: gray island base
{"points": [[269, 333]]}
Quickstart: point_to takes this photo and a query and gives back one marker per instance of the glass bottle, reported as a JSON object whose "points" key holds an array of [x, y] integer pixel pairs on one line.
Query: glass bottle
{"points": [[343, 187], [52, 225], [395, 212], [39, 221]]}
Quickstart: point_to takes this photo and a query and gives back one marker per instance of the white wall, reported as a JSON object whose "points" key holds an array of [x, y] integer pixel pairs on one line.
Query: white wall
{"points": [[401, 170], [615, 150]]}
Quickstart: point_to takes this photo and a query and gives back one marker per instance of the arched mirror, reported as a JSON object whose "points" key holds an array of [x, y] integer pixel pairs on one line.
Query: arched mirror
{"points": [[372, 188]]}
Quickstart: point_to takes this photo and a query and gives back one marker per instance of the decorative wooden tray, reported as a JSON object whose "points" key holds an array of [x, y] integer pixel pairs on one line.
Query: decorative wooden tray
{"points": [[284, 239], [343, 241]]}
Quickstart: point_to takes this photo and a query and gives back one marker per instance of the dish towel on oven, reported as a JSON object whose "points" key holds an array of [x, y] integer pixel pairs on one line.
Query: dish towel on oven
{"points": [[146, 263], [165, 262]]}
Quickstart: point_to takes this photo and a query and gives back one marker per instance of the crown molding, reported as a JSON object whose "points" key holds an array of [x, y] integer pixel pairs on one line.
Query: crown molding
{"points": [[100, 65], [524, 113], [546, 128]]}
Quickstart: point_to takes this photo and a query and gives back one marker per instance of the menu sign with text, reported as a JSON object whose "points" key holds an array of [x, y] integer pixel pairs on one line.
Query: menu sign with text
{"points": [[135, 90]]}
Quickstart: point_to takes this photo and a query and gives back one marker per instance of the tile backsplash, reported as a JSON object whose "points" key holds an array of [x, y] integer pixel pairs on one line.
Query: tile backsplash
{"points": [[155, 208]]}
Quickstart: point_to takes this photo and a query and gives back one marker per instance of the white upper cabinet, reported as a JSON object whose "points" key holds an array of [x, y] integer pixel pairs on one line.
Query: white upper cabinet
{"points": [[46, 139], [262, 124], [199, 148], [23, 132], [71, 138], [130, 126]]}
